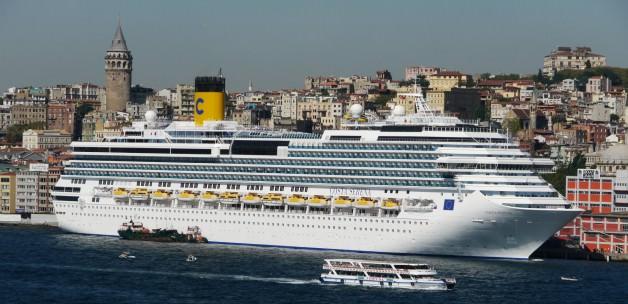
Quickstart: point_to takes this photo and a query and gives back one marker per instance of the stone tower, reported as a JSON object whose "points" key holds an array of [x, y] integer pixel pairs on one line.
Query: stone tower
{"points": [[118, 67]]}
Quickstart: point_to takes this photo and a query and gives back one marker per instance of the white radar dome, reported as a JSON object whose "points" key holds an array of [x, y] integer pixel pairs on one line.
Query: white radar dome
{"points": [[399, 110], [150, 116], [356, 110]]}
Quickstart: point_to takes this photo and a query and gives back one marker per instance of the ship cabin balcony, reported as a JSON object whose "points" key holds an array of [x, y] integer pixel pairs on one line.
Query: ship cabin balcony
{"points": [[363, 146]]}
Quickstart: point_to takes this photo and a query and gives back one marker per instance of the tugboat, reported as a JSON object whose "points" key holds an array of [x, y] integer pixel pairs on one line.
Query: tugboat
{"points": [[137, 232]]}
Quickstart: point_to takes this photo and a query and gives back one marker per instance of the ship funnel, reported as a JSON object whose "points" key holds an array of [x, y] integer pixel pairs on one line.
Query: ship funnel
{"points": [[209, 99]]}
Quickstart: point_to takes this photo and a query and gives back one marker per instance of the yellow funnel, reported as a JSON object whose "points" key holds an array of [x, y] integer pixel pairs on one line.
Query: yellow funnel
{"points": [[209, 99]]}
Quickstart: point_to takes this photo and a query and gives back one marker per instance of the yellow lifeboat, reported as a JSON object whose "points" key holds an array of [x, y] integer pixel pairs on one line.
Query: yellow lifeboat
{"points": [[230, 198], [343, 202], [187, 196], [120, 193], [318, 201], [160, 195], [139, 194], [390, 204], [296, 200], [364, 203], [209, 197], [252, 198], [272, 199]]}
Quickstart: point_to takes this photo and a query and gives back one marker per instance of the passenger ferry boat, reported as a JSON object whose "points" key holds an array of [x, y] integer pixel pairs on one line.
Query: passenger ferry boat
{"points": [[416, 183], [383, 274]]}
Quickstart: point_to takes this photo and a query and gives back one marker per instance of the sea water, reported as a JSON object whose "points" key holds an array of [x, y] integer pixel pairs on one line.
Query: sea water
{"points": [[46, 265]]}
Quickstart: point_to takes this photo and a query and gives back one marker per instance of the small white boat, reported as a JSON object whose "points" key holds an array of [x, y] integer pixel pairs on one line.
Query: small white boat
{"points": [[126, 255], [536, 260], [384, 274], [571, 279], [191, 258]]}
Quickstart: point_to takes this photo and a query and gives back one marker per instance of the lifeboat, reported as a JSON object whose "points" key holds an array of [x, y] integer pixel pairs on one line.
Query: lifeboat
{"points": [[139, 194], [229, 198], [390, 204], [160, 195], [296, 200], [252, 199], [364, 203], [343, 202], [187, 196], [318, 201], [209, 197], [272, 199], [120, 193]]}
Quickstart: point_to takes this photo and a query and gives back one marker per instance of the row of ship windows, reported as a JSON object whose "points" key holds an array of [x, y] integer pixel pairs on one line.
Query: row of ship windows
{"points": [[78, 181], [493, 166], [257, 214], [68, 189], [346, 146], [226, 135], [361, 155], [253, 169], [376, 229], [270, 178], [330, 163], [520, 193], [248, 161]]}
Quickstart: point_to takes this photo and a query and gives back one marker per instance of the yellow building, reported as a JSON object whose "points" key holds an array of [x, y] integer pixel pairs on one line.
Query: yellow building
{"points": [[436, 100], [7, 192], [444, 81], [407, 103]]}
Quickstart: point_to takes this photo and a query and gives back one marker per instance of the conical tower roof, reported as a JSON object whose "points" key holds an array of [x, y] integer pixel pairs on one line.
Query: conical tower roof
{"points": [[118, 43]]}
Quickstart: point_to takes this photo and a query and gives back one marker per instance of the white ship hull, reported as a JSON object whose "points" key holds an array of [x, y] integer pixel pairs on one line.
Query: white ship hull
{"points": [[419, 284], [476, 227]]}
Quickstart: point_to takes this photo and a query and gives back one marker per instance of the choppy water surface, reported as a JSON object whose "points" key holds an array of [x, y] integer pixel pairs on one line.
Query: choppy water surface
{"points": [[40, 265]]}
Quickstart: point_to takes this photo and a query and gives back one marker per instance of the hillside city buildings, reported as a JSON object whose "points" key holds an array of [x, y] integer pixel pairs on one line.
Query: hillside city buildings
{"points": [[568, 58], [559, 118]]}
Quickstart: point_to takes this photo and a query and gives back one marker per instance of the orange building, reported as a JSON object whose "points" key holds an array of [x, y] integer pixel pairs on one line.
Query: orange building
{"points": [[601, 228], [592, 193]]}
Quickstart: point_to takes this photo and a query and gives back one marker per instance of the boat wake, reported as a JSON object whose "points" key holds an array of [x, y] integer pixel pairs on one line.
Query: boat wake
{"points": [[201, 275]]}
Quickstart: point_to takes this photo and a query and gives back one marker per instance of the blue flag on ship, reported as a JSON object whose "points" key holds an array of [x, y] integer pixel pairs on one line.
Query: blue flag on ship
{"points": [[449, 204]]}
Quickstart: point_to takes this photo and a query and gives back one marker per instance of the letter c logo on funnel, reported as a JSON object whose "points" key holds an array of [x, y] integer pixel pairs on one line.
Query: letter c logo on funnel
{"points": [[198, 109]]}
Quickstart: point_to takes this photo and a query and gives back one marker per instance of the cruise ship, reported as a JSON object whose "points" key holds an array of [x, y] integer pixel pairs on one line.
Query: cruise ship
{"points": [[416, 183]]}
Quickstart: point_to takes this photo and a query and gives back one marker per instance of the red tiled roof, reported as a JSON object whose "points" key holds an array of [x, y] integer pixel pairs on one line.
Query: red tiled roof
{"points": [[491, 82], [449, 73]]}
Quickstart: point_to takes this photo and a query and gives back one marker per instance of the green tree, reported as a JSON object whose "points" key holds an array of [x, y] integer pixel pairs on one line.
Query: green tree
{"points": [[588, 64], [618, 76], [381, 100], [83, 109], [614, 118], [14, 132], [470, 82], [512, 124], [557, 179], [485, 76], [540, 78]]}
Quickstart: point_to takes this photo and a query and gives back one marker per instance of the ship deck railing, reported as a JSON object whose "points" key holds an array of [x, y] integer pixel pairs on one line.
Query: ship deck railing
{"points": [[379, 270]]}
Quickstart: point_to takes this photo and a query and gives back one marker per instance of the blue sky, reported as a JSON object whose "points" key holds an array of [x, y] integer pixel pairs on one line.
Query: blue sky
{"points": [[276, 43]]}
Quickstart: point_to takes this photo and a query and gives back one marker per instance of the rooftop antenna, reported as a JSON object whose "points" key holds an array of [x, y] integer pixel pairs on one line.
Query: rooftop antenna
{"points": [[220, 72]]}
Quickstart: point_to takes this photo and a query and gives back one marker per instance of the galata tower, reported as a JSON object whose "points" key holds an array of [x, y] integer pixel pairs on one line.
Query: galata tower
{"points": [[118, 68]]}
